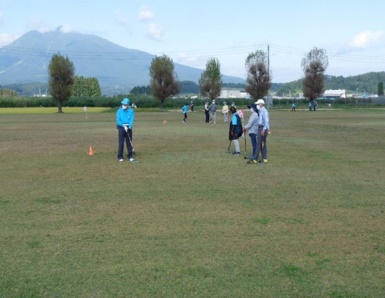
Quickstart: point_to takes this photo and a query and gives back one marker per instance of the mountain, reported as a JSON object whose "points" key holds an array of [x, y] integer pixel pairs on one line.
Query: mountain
{"points": [[117, 69]]}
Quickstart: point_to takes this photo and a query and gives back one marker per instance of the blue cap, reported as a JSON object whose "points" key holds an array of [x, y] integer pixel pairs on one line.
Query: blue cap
{"points": [[125, 101]]}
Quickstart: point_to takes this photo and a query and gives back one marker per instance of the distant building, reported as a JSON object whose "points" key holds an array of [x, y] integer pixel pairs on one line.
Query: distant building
{"points": [[232, 93], [335, 93]]}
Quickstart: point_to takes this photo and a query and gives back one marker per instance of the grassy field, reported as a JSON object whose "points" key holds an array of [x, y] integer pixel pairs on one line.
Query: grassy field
{"points": [[189, 220]]}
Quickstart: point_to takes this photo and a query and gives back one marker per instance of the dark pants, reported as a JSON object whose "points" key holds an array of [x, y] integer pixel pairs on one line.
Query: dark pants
{"points": [[207, 116], [253, 138], [124, 136], [262, 144], [184, 117]]}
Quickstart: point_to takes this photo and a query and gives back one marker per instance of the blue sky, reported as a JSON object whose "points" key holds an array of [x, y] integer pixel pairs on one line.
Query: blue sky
{"points": [[191, 32]]}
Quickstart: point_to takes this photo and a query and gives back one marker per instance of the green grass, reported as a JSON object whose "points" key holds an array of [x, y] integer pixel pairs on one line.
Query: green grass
{"points": [[189, 220]]}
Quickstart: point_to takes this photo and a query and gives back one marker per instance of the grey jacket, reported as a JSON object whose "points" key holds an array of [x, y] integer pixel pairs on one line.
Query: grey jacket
{"points": [[252, 124]]}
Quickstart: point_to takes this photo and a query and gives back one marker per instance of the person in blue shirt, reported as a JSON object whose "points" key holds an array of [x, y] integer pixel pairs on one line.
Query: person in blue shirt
{"points": [[293, 107], [185, 110], [235, 130], [263, 130], [125, 117]]}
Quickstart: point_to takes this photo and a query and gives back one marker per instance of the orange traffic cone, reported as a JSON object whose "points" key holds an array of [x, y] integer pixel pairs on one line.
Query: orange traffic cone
{"points": [[164, 121], [91, 152]]}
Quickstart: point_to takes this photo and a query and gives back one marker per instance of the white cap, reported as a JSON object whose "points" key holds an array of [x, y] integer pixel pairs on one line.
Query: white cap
{"points": [[260, 101]]}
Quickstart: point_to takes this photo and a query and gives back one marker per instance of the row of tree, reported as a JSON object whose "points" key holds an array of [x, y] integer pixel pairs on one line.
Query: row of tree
{"points": [[164, 81]]}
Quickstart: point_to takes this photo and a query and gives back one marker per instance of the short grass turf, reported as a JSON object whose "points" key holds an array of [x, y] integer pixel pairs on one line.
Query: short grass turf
{"points": [[189, 219]]}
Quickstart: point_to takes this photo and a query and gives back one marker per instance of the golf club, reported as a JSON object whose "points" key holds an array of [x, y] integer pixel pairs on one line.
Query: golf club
{"points": [[228, 148], [245, 157], [132, 146]]}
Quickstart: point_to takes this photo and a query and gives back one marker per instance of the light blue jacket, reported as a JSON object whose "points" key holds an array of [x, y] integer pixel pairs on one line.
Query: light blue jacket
{"points": [[125, 117], [185, 109], [263, 119]]}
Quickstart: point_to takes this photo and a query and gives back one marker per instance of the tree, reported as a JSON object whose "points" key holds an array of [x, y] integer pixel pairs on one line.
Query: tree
{"points": [[258, 76], [314, 65], [86, 87], [164, 81], [141, 90], [380, 89], [210, 82], [60, 79]]}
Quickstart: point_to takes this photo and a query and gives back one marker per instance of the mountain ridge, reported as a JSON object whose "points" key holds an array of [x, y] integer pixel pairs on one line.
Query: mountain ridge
{"points": [[118, 69]]}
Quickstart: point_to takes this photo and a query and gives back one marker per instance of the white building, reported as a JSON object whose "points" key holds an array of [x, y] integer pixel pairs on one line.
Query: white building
{"points": [[335, 93], [232, 93]]}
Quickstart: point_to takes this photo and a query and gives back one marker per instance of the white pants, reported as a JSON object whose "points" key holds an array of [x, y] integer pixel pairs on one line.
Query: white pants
{"points": [[236, 145]]}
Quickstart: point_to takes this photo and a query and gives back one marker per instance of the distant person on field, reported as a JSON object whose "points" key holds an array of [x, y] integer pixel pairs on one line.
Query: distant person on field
{"points": [[207, 113], [252, 127], [225, 112], [263, 130], [192, 106], [235, 131], [310, 105], [185, 110], [213, 111], [315, 106], [293, 107], [125, 117]]}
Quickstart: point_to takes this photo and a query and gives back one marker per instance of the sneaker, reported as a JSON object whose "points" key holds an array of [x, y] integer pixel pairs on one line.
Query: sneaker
{"points": [[265, 161], [252, 162], [236, 153], [121, 159], [131, 160]]}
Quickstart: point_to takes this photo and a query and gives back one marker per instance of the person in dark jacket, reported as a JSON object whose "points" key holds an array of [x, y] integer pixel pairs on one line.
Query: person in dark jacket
{"points": [[236, 130]]}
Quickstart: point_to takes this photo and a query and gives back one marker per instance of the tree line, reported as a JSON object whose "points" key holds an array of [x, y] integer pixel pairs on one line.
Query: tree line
{"points": [[164, 82]]}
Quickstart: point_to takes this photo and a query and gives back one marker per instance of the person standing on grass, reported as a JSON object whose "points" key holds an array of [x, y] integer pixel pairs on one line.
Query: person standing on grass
{"points": [[207, 113], [213, 111], [192, 106], [263, 130], [225, 112], [125, 117], [252, 126], [293, 107], [235, 130], [185, 110]]}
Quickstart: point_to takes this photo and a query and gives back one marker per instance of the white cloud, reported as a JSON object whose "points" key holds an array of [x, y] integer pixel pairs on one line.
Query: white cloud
{"points": [[6, 39], [66, 28], [145, 14], [360, 41], [365, 39], [154, 31], [38, 25]]}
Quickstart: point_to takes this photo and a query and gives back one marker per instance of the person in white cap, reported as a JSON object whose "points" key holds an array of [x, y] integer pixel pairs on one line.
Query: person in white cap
{"points": [[263, 130], [124, 122], [213, 111]]}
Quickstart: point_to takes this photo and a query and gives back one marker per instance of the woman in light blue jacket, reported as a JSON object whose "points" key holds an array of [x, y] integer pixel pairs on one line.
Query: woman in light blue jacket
{"points": [[125, 117]]}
